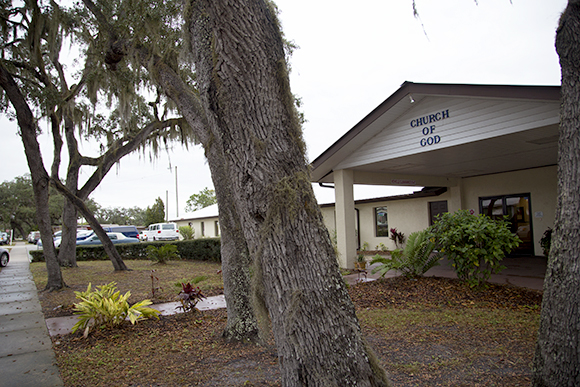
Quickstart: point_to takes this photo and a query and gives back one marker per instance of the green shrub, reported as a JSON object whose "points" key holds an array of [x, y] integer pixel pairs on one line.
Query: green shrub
{"points": [[546, 241], [195, 281], [206, 249], [187, 232], [397, 237], [381, 247], [475, 244], [105, 307], [162, 254], [413, 260], [189, 297]]}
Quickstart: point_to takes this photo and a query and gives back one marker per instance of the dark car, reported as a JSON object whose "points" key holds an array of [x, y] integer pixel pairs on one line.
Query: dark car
{"points": [[4, 257], [115, 237]]}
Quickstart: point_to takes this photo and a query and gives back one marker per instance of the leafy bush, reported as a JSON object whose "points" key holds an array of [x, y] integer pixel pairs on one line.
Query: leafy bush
{"points": [[413, 260], [546, 241], [206, 249], [105, 307], [381, 246], [162, 254], [187, 232], [475, 244], [189, 297], [397, 237], [195, 281]]}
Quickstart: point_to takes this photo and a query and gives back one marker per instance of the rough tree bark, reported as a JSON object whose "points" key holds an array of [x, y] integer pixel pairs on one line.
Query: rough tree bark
{"points": [[40, 178], [242, 324], [557, 359], [67, 252], [244, 87]]}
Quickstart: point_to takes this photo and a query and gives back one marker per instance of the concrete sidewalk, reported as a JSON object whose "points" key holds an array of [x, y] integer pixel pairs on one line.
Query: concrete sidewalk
{"points": [[26, 355], [526, 272]]}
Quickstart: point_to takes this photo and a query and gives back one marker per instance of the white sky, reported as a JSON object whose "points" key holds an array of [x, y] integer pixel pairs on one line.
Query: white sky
{"points": [[350, 59]]}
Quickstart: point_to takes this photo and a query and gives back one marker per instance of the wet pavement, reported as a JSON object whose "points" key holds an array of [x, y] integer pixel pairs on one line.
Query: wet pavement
{"points": [[26, 355]]}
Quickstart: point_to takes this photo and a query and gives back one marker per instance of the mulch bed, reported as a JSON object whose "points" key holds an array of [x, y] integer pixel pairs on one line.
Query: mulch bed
{"points": [[187, 350]]}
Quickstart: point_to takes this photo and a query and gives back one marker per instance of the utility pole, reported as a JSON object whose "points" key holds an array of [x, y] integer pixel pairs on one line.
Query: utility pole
{"points": [[166, 206], [176, 196]]}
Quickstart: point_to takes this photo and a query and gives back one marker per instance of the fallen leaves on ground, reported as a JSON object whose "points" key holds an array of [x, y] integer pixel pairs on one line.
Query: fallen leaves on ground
{"points": [[425, 332]]}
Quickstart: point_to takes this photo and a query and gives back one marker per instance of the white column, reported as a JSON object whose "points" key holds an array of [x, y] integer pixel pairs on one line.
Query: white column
{"points": [[345, 218]]}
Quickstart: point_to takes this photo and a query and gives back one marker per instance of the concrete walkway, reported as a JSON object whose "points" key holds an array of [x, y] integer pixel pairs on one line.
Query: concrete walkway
{"points": [[26, 355], [527, 272]]}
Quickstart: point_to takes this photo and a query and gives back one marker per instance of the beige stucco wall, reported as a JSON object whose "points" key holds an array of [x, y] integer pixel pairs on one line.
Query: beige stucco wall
{"points": [[209, 226], [412, 215], [540, 183], [406, 216]]}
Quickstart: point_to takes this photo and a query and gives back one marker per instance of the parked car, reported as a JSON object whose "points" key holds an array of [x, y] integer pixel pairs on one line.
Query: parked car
{"points": [[115, 237], [33, 237], [4, 257], [57, 237], [128, 231], [162, 232], [3, 238]]}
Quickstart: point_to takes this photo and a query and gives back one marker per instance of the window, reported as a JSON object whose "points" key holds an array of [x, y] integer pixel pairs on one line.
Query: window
{"points": [[517, 209], [436, 209], [217, 228], [381, 222], [202, 229]]}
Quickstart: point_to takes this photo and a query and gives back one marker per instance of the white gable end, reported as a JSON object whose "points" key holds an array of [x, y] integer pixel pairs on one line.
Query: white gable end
{"points": [[435, 123]]}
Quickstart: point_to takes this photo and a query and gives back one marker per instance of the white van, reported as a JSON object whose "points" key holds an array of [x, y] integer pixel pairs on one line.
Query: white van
{"points": [[162, 232]]}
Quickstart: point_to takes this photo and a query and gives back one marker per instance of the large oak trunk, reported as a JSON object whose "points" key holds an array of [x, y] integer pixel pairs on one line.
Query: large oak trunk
{"points": [[557, 357], [242, 324], [243, 83]]}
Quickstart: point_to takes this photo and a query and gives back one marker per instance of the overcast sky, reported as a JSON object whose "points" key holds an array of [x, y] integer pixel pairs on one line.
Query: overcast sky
{"points": [[350, 59]]}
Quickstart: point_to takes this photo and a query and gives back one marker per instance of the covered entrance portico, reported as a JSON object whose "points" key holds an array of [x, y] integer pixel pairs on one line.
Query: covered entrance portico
{"points": [[486, 144]]}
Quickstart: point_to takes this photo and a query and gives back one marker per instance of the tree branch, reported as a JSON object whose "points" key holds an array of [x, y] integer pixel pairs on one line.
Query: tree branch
{"points": [[116, 152]]}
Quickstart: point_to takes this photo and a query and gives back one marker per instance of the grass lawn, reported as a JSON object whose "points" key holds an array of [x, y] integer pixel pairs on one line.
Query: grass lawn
{"points": [[425, 332]]}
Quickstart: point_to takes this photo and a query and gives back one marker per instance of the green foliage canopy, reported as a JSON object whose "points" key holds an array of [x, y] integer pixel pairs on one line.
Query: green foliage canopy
{"points": [[17, 206], [120, 215], [205, 198], [155, 213]]}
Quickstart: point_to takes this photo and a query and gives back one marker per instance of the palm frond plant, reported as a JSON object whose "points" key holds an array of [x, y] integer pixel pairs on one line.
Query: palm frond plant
{"points": [[106, 307], [414, 260], [162, 254]]}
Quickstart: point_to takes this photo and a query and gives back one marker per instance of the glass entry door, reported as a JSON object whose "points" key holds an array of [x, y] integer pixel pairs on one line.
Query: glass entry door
{"points": [[517, 209]]}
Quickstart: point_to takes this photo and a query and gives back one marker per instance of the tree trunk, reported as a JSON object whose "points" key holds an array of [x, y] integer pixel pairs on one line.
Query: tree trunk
{"points": [[243, 83], [109, 247], [242, 323], [40, 178], [557, 359], [67, 255], [68, 244], [16, 225]]}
